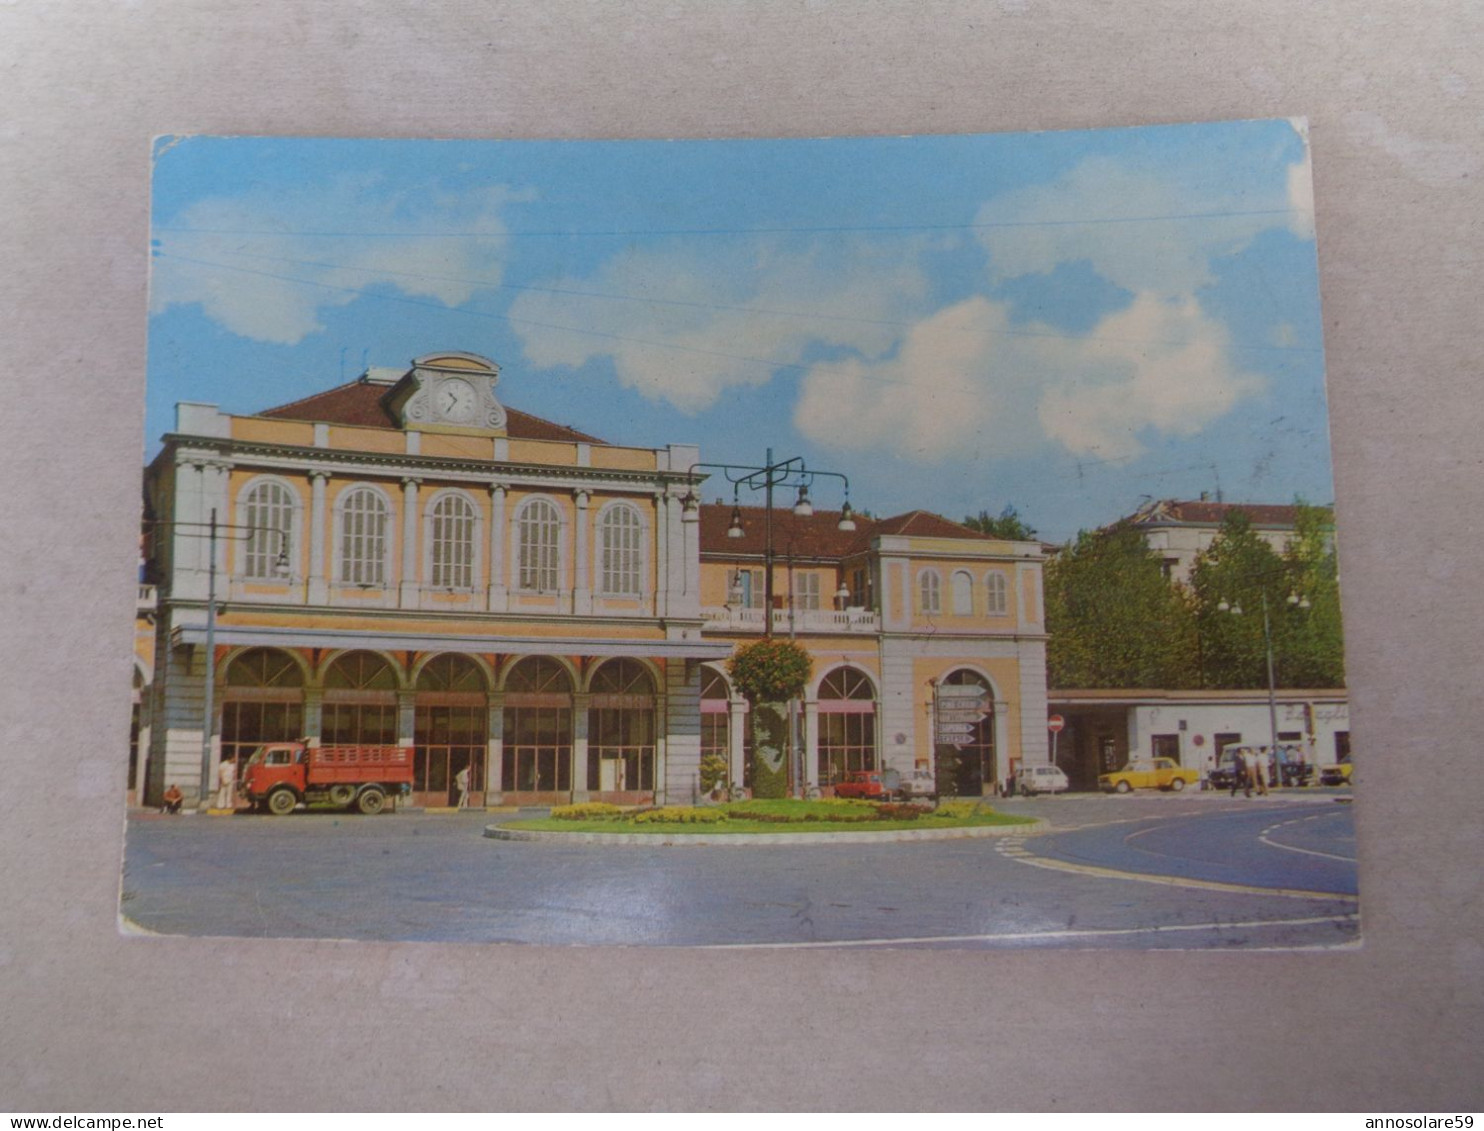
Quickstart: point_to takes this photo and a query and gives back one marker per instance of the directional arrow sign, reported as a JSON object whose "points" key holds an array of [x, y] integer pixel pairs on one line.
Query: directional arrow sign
{"points": [[959, 716], [953, 691], [954, 731]]}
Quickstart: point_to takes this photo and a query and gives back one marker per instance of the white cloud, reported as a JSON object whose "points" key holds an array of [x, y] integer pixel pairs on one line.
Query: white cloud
{"points": [[1151, 231], [965, 383], [684, 321], [254, 267]]}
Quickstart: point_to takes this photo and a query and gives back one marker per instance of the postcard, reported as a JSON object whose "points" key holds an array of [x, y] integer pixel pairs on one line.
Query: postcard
{"points": [[856, 542]]}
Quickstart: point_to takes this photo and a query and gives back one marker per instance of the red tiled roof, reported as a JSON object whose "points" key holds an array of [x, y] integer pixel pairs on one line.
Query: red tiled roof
{"points": [[1203, 513], [360, 403], [817, 536]]}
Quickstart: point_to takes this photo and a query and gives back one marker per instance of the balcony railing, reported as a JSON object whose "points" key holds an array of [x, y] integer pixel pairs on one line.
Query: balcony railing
{"points": [[800, 620]]}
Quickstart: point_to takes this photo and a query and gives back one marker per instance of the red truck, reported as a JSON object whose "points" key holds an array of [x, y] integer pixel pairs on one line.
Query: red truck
{"points": [[282, 774]]}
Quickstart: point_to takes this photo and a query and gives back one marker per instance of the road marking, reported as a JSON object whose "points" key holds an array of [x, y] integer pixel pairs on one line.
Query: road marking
{"points": [[1263, 836], [1181, 881], [1032, 936]]}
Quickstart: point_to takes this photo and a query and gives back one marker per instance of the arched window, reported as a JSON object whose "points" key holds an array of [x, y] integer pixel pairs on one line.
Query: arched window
{"points": [[452, 543], [967, 765], [621, 729], [268, 514], [363, 542], [360, 703], [537, 752], [716, 744], [262, 701], [539, 533], [963, 594], [620, 536], [930, 586], [996, 593], [847, 724], [451, 731]]}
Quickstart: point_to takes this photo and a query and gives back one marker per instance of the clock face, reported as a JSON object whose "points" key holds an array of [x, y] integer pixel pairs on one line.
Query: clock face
{"points": [[456, 401]]}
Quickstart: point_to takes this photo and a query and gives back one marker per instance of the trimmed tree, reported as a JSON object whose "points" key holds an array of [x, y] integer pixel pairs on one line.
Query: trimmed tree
{"points": [[769, 673]]}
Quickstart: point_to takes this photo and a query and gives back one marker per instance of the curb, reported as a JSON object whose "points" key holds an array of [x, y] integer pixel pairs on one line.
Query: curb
{"points": [[675, 840]]}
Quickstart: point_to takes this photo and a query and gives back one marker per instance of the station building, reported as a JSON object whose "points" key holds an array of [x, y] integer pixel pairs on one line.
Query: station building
{"points": [[404, 560]]}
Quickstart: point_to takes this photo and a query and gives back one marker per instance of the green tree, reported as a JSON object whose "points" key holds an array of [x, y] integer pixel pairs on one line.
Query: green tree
{"points": [[769, 673], [1114, 619], [1007, 524], [1239, 578]]}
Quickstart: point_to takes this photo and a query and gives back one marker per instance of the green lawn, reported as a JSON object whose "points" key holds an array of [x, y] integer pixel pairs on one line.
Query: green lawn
{"points": [[782, 817]]}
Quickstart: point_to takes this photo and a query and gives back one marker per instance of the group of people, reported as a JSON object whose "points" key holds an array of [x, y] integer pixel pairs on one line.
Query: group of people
{"points": [[226, 794], [1250, 771]]}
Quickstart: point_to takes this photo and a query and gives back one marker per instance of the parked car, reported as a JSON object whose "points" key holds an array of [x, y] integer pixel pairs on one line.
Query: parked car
{"points": [[1151, 773], [864, 785], [1340, 773], [917, 785], [1041, 779]]}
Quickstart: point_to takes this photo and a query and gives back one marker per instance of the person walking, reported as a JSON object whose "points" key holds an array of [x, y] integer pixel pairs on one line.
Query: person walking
{"points": [[461, 780], [1253, 760], [226, 777]]}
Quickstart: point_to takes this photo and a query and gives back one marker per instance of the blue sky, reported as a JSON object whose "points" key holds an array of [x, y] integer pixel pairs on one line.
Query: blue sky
{"points": [[1063, 322]]}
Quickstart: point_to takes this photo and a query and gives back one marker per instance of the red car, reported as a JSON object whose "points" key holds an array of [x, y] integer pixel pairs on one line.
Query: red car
{"points": [[865, 785]]}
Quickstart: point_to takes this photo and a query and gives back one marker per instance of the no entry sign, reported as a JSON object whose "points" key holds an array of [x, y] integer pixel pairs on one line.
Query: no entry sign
{"points": [[1055, 723]]}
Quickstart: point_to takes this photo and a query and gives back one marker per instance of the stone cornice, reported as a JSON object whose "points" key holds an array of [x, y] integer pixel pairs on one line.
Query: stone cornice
{"points": [[396, 465]]}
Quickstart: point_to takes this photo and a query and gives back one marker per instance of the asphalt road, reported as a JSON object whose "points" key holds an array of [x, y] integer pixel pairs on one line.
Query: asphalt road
{"points": [[1147, 870]]}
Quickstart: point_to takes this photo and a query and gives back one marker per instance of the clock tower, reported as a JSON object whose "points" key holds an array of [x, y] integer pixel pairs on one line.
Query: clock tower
{"points": [[448, 392]]}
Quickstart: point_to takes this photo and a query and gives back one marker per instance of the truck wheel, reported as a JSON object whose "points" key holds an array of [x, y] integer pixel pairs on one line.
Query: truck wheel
{"points": [[281, 802], [371, 801], [342, 795], [1178, 784]]}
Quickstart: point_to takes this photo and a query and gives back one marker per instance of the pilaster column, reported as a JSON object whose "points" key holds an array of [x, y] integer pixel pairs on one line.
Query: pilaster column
{"points": [[661, 554], [582, 593], [736, 740], [811, 743], [499, 593], [319, 585], [408, 598], [580, 703], [494, 784], [214, 496], [1002, 740], [314, 715]]}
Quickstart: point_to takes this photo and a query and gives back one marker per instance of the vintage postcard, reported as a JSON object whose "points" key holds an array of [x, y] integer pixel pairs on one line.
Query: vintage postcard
{"points": [[859, 542]]}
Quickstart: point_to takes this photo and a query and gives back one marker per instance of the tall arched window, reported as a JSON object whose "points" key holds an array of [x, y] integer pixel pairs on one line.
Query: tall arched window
{"points": [[452, 543], [847, 724], [263, 701], [930, 586], [620, 536], [621, 729], [963, 594], [268, 514], [363, 542], [968, 765], [360, 701], [537, 754], [716, 745], [539, 546], [451, 730], [996, 593]]}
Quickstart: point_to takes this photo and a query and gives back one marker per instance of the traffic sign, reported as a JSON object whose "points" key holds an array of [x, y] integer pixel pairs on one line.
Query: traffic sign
{"points": [[1055, 723], [949, 731], [961, 691]]}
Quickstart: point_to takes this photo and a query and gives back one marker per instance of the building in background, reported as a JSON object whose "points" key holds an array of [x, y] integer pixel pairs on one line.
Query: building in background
{"points": [[404, 560], [1179, 530]]}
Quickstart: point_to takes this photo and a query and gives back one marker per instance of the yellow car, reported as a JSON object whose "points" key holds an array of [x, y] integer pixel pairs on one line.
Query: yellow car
{"points": [[1152, 773], [1341, 773]]}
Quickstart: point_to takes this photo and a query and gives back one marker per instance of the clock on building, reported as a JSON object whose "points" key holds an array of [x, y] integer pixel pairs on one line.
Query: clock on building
{"points": [[452, 390]]}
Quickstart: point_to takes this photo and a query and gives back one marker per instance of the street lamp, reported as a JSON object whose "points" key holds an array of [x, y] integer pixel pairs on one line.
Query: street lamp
{"points": [[782, 473], [1297, 601], [229, 532]]}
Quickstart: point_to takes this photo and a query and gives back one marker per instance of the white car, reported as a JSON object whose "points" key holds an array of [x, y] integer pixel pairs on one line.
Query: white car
{"points": [[1041, 779]]}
